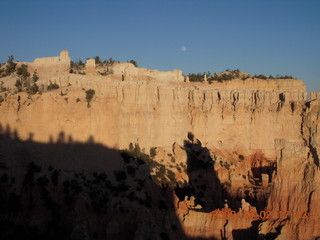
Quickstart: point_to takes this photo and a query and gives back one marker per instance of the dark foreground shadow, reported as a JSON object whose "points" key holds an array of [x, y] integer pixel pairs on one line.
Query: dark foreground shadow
{"points": [[71, 190]]}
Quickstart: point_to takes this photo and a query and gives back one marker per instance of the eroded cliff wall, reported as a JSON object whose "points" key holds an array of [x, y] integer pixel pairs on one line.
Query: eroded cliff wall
{"points": [[246, 119], [294, 200]]}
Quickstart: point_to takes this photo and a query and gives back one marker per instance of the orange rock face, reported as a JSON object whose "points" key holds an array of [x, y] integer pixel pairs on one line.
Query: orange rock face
{"points": [[241, 157]]}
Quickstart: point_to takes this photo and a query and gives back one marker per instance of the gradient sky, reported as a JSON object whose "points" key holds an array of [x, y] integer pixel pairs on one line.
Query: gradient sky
{"points": [[256, 36]]}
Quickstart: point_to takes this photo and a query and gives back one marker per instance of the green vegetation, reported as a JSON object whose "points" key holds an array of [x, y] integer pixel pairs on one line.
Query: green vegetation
{"points": [[280, 77], [77, 67], [34, 88], [89, 96], [133, 62], [260, 76], [109, 62], [22, 71], [197, 77], [97, 60], [10, 66], [24, 82], [230, 75], [52, 86], [227, 76], [106, 72], [18, 85], [2, 88], [35, 77]]}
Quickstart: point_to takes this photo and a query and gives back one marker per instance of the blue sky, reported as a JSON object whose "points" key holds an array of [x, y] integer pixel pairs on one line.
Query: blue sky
{"points": [[256, 36]]}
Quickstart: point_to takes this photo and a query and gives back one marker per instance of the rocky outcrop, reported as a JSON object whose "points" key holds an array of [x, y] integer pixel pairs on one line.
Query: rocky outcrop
{"points": [[52, 66], [90, 66], [128, 72], [294, 201]]}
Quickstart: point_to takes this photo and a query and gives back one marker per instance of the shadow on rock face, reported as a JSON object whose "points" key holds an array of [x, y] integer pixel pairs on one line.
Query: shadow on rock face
{"points": [[73, 190]]}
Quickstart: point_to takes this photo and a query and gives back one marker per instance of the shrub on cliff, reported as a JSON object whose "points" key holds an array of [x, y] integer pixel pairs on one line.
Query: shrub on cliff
{"points": [[133, 62], [89, 96], [280, 77], [97, 60], [2, 88], [261, 76], [35, 77], [52, 86], [22, 71], [34, 89], [18, 85], [196, 77], [11, 66]]}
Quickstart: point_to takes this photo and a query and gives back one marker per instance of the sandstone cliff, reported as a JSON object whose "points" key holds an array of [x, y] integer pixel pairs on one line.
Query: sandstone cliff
{"points": [[245, 120], [248, 146]]}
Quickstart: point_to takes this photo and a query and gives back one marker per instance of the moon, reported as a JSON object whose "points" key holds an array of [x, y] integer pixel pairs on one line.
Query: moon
{"points": [[183, 48]]}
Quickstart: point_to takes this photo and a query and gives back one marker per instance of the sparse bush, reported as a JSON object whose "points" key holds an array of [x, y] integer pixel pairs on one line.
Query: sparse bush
{"points": [[97, 60], [106, 72], [89, 96], [11, 66], [2, 88], [133, 62], [52, 86], [35, 77], [196, 77], [228, 75], [34, 88], [280, 77], [261, 76], [22, 71], [18, 85], [110, 61]]}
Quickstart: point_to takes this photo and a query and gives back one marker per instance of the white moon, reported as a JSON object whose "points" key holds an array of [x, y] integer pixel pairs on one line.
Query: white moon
{"points": [[183, 48]]}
